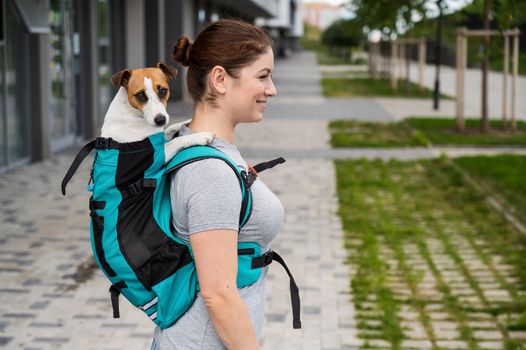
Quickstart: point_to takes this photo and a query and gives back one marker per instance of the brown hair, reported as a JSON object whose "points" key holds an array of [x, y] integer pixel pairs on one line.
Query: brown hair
{"points": [[231, 44]]}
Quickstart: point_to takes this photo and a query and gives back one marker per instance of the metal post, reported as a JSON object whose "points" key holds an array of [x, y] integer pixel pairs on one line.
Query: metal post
{"points": [[421, 63], [401, 56], [394, 54]]}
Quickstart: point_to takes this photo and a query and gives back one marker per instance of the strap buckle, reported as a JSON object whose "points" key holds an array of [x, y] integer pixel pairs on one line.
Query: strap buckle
{"points": [[102, 142], [268, 257]]}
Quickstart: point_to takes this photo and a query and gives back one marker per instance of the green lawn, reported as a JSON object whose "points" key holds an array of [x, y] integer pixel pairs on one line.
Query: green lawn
{"points": [[441, 131], [368, 87], [350, 133], [410, 227], [414, 132]]}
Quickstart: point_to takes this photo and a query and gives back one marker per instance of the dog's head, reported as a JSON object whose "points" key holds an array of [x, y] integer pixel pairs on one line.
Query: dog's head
{"points": [[148, 91]]}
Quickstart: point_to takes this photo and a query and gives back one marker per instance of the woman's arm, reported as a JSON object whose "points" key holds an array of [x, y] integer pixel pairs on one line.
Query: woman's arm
{"points": [[215, 255]]}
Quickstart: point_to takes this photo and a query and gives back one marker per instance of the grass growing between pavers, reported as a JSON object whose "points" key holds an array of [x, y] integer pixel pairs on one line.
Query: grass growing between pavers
{"points": [[428, 252], [368, 87], [414, 132]]}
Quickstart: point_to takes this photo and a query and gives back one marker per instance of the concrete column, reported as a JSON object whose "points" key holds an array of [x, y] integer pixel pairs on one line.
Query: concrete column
{"points": [[180, 20], [89, 106], [135, 34], [40, 95]]}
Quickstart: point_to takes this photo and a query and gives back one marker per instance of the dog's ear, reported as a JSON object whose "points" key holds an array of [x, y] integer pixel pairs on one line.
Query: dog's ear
{"points": [[121, 78], [168, 70]]}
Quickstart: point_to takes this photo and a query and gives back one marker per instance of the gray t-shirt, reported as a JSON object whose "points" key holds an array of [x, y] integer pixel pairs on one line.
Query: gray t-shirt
{"points": [[206, 196]]}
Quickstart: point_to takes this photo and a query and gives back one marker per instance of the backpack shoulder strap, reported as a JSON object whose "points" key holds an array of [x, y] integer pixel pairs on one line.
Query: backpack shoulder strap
{"points": [[98, 143], [196, 153]]}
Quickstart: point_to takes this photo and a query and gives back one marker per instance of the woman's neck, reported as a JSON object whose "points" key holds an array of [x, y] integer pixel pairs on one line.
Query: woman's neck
{"points": [[212, 120]]}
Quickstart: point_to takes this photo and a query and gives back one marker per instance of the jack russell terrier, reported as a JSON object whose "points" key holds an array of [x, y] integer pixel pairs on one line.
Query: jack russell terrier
{"points": [[139, 110]]}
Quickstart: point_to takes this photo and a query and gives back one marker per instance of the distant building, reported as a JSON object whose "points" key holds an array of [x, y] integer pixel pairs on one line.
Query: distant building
{"points": [[321, 14], [56, 58], [286, 27]]}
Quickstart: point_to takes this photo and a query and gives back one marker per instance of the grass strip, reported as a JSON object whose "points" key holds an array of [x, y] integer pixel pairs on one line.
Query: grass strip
{"points": [[349, 133], [417, 132], [368, 87], [441, 131]]}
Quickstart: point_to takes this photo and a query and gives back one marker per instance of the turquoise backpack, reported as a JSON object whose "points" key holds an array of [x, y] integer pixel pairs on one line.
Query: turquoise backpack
{"points": [[132, 237]]}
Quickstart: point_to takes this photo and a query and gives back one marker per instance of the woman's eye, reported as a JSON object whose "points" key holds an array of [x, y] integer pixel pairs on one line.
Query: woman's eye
{"points": [[141, 96]]}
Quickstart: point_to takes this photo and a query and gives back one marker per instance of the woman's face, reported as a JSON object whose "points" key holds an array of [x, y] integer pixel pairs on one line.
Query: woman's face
{"points": [[247, 95]]}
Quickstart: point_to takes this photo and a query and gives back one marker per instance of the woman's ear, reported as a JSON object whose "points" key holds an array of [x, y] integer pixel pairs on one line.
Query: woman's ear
{"points": [[218, 77]]}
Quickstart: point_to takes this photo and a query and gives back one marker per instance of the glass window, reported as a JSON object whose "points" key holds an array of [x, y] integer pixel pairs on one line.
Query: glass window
{"points": [[17, 44], [57, 103], [3, 141]]}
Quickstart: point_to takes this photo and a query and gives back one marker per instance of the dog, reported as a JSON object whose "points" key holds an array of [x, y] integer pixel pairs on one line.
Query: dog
{"points": [[138, 110]]}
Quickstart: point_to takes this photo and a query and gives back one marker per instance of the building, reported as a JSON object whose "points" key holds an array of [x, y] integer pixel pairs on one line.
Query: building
{"points": [[286, 27], [321, 15], [56, 58]]}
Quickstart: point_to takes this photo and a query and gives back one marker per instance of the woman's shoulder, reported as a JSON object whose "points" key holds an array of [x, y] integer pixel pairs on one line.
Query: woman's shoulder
{"points": [[207, 172]]}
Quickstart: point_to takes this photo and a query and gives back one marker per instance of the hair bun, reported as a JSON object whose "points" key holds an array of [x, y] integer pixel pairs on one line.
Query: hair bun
{"points": [[181, 51]]}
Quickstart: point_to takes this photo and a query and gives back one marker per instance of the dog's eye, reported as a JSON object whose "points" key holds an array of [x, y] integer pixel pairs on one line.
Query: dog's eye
{"points": [[141, 96], [163, 92]]}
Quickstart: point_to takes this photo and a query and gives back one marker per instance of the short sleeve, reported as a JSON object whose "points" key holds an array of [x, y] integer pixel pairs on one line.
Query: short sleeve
{"points": [[212, 196]]}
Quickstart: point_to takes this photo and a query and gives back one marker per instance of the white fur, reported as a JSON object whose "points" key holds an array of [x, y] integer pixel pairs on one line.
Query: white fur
{"points": [[154, 106], [124, 123]]}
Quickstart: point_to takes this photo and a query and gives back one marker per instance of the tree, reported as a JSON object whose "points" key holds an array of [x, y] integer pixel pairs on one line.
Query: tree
{"points": [[388, 16], [343, 33]]}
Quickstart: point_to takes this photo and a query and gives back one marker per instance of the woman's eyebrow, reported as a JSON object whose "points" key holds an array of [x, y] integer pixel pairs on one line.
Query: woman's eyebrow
{"points": [[266, 70]]}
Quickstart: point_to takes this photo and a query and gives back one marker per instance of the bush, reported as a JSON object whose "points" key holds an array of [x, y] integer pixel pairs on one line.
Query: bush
{"points": [[342, 33]]}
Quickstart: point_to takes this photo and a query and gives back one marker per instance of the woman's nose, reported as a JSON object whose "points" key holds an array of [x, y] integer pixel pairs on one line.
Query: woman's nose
{"points": [[271, 90]]}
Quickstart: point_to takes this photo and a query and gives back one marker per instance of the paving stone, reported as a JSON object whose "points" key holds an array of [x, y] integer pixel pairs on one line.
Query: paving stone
{"points": [[487, 335], [452, 344], [491, 345], [482, 324], [517, 335], [416, 344]]}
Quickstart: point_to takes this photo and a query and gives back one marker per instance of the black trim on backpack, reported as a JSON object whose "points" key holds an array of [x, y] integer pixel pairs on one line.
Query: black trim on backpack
{"points": [[137, 187], [152, 254], [266, 259], [134, 159], [96, 205], [98, 230], [115, 291], [98, 143]]}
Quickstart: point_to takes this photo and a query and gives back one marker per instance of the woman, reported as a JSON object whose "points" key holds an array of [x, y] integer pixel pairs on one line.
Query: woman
{"points": [[229, 77]]}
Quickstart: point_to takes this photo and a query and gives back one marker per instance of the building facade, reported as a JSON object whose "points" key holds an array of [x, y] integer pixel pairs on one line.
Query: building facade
{"points": [[285, 27], [322, 15], [57, 57]]}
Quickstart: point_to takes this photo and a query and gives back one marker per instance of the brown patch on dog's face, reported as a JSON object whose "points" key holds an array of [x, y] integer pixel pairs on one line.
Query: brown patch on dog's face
{"points": [[138, 89]]}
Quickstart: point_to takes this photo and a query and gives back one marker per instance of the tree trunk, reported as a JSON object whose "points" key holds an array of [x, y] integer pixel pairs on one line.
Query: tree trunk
{"points": [[484, 122]]}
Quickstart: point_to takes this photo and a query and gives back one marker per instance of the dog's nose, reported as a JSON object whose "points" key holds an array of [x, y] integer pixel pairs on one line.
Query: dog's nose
{"points": [[160, 119]]}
